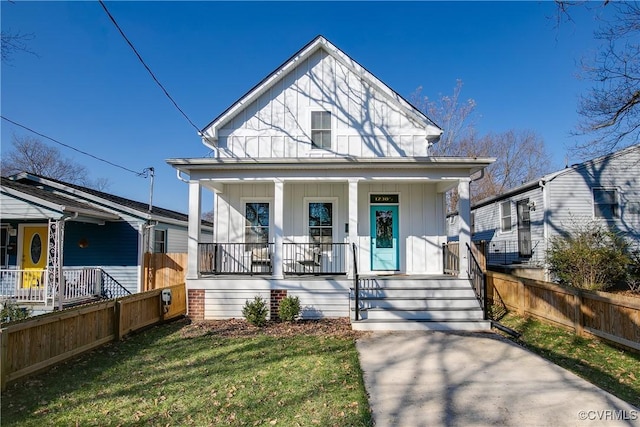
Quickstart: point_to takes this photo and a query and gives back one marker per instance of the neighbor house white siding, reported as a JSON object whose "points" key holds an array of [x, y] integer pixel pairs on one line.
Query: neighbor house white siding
{"points": [[364, 122]]}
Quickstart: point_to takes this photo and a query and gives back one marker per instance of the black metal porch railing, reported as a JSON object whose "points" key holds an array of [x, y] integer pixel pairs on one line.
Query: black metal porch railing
{"points": [[504, 252], [315, 258], [110, 287], [235, 258], [356, 283], [478, 280]]}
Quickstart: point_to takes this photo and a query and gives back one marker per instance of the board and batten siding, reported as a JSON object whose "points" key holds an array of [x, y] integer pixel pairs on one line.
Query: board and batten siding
{"points": [[364, 123], [421, 211], [570, 194], [318, 298]]}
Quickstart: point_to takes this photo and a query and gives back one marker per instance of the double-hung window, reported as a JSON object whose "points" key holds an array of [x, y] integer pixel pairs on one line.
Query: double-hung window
{"points": [[321, 129], [160, 241], [605, 203], [256, 229], [505, 216]]}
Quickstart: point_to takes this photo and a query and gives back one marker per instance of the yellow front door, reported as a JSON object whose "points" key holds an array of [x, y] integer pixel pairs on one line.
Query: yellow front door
{"points": [[34, 255]]}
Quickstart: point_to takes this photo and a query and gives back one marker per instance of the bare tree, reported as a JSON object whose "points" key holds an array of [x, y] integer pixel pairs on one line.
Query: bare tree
{"points": [[30, 154], [15, 42], [610, 110], [453, 115], [521, 155]]}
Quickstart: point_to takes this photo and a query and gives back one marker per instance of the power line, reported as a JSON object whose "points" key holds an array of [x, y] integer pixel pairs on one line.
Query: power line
{"points": [[146, 66], [144, 173]]}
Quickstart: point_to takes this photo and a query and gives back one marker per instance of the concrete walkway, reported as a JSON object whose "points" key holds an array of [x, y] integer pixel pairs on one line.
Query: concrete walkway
{"points": [[448, 379]]}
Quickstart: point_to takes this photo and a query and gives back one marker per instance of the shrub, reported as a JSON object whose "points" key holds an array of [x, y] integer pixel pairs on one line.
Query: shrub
{"points": [[589, 257], [10, 312], [256, 311], [289, 309], [633, 272]]}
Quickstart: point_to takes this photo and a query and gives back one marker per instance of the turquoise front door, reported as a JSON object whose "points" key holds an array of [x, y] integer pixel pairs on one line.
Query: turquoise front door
{"points": [[384, 238]]}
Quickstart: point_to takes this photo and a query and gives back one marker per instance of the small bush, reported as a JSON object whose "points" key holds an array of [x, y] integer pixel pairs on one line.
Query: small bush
{"points": [[256, 311], [10, 312], [633, 273], [590, 257], [289, 309]]}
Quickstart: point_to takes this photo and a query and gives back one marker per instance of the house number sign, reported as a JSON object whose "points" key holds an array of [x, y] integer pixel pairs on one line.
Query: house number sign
{"points": [[383, 198]]}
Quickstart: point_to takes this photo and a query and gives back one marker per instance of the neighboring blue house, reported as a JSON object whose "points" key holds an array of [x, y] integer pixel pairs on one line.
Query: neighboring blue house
{"points": [[518, 223], [92, 241]]}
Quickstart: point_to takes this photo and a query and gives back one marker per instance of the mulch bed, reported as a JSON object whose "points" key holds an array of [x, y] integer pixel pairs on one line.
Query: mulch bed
{"points": [[240, 328]]}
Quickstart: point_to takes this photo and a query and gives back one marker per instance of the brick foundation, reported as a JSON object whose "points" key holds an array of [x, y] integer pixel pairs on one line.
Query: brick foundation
{"points": [[195, 304], [277, 295]]}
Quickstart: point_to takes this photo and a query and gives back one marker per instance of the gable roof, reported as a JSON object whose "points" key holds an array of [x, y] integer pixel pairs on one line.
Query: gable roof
{"points": [[108, 201], [551, 176], [55, 202], [210, 132]]}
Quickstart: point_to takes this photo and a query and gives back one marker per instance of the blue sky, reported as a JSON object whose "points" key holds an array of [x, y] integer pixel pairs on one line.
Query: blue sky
{"points": [[87, 89]]}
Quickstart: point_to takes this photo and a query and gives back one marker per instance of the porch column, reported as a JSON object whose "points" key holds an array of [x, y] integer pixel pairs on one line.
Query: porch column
{"points": [[464, 232], [195, 202], [353, 220], [278, 229]]}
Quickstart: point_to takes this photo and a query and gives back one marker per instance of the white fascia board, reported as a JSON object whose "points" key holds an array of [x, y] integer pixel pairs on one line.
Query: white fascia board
{"points": [[211, 133]]}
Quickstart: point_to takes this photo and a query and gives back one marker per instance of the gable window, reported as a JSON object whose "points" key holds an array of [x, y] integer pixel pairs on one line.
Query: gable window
{"points": [[505, 216], [321, 129], [256, 229], [321, 222], [605, 203], [160, 241]]}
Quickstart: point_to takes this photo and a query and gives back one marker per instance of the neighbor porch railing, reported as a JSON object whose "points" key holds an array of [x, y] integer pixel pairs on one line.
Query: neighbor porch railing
{"points": [[257, 258], [504, 252], [32, 286]]}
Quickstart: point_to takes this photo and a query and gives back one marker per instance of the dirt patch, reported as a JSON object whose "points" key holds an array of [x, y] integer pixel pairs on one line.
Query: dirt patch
{"points": [[238, 328]]}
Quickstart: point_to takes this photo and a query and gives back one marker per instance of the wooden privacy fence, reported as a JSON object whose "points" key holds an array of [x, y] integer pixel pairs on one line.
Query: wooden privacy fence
{"points": [[162, 270], [611, 317], [43, 341]]}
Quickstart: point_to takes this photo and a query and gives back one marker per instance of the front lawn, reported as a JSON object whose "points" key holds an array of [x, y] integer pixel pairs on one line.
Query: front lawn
{"points": [[213, 374]]}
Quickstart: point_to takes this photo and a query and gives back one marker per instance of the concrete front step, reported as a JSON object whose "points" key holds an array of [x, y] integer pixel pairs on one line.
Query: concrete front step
{"points": [[421, 325], [432, 314]]}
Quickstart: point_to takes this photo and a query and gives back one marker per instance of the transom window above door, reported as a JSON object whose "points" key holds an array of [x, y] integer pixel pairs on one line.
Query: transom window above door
{"points": [[321, 129], [321, 222], [256, 228]]}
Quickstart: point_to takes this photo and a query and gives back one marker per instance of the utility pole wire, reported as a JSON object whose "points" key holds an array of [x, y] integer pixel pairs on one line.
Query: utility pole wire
{"points": [[146, 66], [143, 174]]}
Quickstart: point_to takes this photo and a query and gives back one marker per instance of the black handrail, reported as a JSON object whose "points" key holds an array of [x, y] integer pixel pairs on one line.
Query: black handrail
{"points": [[356, 282], [111, 288], [479, 280]]}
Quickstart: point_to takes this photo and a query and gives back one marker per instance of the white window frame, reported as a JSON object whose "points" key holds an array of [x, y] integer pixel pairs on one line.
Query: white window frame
{"points": [[503, 216], [156, 241], [617, 207], [243, 214], [334, 218], [331, 128]]}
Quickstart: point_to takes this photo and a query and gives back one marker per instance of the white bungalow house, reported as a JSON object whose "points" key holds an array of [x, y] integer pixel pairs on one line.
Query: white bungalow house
{"points": [[323, 183], [518, 224]]}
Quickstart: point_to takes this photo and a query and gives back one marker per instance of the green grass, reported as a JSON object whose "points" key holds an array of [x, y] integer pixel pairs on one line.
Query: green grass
{"points": [[608, 367], [162, 377]]}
